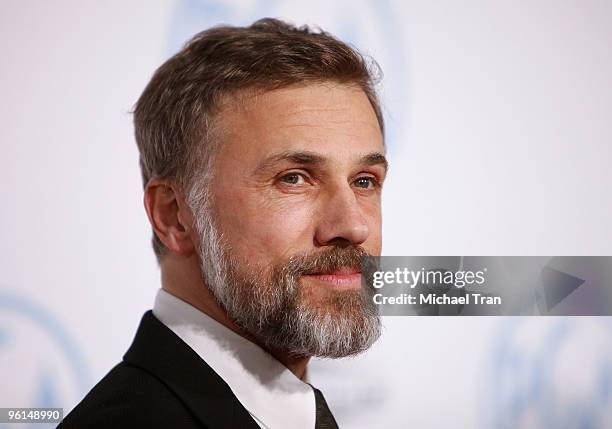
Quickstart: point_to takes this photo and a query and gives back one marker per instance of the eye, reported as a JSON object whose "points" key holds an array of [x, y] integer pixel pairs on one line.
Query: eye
{"points": [[293, 179], [365, 182]]}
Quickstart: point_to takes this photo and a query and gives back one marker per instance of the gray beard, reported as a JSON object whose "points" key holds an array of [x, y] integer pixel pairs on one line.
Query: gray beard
{"points": [[271, 306]]}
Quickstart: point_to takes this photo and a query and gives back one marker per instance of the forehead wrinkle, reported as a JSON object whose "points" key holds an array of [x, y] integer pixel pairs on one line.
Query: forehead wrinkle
{"points": [[331, 116], [325, 131], [330, 124], [300, 109]]}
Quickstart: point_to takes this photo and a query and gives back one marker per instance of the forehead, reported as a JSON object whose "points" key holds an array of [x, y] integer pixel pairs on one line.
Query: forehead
{"points": [[335, 120]]}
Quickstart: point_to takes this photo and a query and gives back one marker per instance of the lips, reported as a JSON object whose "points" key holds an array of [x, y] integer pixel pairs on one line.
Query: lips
{"points": [[340, 277]]}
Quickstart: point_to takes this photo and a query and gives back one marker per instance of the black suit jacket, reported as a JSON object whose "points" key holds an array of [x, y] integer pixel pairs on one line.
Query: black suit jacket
{"points": [[161, 383]]}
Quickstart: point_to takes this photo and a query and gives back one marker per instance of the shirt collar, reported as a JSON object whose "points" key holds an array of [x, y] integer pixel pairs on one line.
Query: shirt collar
{"points": [[266, 388]]}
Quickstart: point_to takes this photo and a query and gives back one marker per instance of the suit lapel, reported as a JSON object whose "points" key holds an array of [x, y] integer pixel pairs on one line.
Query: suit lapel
{"points": [[157, 350]]}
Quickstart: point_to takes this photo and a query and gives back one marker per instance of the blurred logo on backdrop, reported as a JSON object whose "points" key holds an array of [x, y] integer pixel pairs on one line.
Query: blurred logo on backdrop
{"points": [[38, 359], [551, 373], [370, 26]]}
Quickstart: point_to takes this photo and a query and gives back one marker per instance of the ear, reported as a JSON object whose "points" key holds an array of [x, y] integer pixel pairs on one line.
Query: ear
{"points": [[170, 218]]}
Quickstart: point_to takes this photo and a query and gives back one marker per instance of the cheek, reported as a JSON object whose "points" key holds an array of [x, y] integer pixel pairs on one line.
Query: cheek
{"points": [[263, 231]]}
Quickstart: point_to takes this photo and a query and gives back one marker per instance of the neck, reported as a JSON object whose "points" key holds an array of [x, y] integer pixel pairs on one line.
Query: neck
{"points": [[182, 278]]}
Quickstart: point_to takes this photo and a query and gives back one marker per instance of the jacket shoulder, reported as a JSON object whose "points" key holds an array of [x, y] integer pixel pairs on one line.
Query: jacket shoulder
{"points": [[129, 396]]}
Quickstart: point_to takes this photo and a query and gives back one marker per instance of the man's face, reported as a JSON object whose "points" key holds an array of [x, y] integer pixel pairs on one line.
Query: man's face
{"points": [[294, 203]]}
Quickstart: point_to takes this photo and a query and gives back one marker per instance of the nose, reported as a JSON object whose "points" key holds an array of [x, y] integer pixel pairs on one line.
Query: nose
{"points": [[341, 219]]}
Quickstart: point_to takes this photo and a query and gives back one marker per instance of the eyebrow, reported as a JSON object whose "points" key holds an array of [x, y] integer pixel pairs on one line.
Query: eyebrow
{"points": [[375, 158], [312, 158]]}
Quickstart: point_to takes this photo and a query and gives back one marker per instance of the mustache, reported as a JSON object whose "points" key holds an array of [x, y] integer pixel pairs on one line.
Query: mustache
{"points": [[327, 261]]}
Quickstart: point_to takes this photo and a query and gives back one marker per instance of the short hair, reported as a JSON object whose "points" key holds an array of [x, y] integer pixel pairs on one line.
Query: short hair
{"points": [[174, 115]]}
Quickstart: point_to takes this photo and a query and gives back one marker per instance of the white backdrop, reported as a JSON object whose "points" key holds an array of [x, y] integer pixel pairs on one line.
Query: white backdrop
{"points": [[500, 125]]}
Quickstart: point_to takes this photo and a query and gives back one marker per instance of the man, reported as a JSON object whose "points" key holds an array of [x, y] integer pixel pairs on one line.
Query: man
{"points": [[262, 156]]}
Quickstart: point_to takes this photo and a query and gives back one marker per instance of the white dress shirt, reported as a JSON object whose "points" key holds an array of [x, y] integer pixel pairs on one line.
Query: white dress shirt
{"points": [[271, 393]]}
